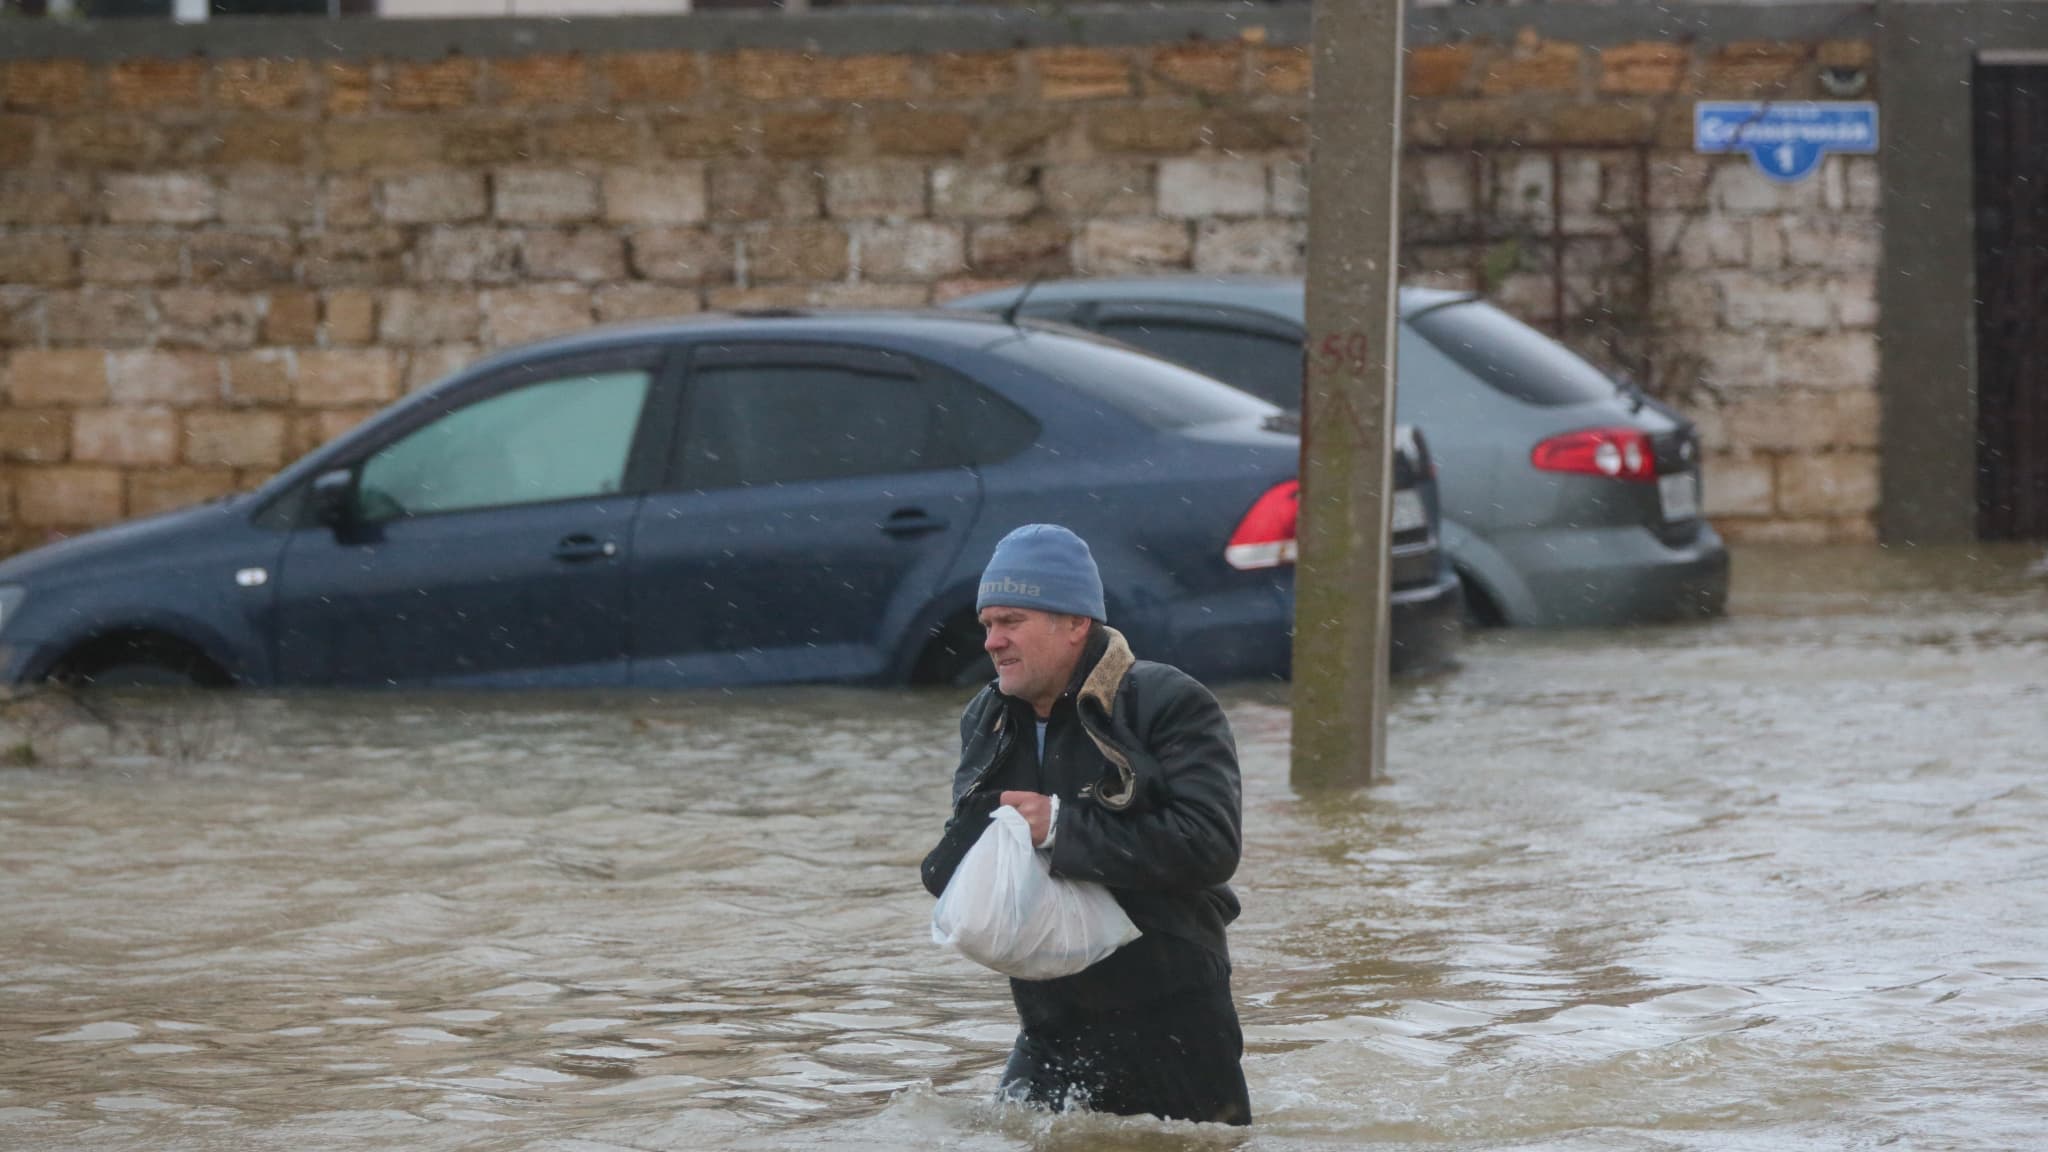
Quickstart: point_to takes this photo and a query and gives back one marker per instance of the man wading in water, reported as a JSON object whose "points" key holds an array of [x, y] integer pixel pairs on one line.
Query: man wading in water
{"points": [[1127, 774]]}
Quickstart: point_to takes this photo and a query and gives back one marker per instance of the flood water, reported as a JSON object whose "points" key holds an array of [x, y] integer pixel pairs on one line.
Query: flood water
{"points": [[1775, 882]]}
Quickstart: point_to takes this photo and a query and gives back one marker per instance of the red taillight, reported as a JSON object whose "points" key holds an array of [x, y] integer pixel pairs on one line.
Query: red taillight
{"points": [[1622, 453], [1265, 537]]}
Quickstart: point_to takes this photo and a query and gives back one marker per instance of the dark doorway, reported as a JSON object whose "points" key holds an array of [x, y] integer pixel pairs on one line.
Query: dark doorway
{"points": [[2012, 301]]}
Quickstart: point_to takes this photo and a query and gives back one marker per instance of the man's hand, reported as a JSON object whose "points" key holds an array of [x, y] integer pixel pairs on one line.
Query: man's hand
{"points": [[1036, 808]]}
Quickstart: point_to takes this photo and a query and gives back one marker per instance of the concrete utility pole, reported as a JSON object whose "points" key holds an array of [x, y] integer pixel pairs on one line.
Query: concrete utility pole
{"points": [[1340, 607]]}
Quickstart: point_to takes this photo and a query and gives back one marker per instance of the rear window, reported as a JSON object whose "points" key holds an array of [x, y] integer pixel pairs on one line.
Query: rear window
{"points": [[1157, 393], [1512, 357]]}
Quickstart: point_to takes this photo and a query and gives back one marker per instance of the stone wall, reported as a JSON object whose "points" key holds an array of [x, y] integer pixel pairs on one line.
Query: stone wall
{"points": [[209, 266]]}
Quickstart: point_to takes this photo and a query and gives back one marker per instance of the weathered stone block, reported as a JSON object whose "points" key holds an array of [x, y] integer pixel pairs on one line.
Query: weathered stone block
{"points": [[35, 436], [432, 85], [916, 250], [37, 198], [351, 317], [346, 88], [533, 196], [1739, 189], [918, 132], [1117, 246], [683, 255], [1645, 68], [868, 296], [973, 75], [1200, 189], [160, 198], [293, 317], [1681, 182], [235, 439], [1251, 246], [703, 135], [1081, 74], [21, 317], [1824, 242], [764, 77], [468, 255], [1802, 422], [156, 84], [802, 134], [1854, 295], [1259, 131], [348, 202], [745, 191], [167, 489], [537, 81], [47, 377], [101, 317], [1148, 130], [132, 436], [252, 259], [621, 302], [984, 192], [1750, 300], [590, 140], [1022, 134], [264, 198], [586, 254], [339, 379], [203, 318], [863, 78], [1524, 189], [1437, 70], [483, 142], [351, 145], [1102, 188], [1757, 70], [650, 77], [1286, 71], [1838, 484], [417, 318], [69, 497], [104, 143], [169, 379], [35, 258], [49, 85], [796, 252], [517, 315], [1038, 247], [1737, 486], [272, 140], [426, 367], [262, 85], [662, 196], [1829, 360], [261, 378], [1532, 65], [433, 198], [1216, 69], [864, 191], [1699, 242]]}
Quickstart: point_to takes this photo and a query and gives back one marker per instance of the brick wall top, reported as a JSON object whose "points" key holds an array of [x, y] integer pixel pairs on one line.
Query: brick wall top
{"points": [[858, 32]]}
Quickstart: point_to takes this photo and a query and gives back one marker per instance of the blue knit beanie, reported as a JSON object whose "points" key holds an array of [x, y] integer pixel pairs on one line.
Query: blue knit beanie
{"points": [[1043, 566]]}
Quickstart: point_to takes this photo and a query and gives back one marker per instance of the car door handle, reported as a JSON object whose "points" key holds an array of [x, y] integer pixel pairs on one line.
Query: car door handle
{"points": [[578, 549], [912, 522]]}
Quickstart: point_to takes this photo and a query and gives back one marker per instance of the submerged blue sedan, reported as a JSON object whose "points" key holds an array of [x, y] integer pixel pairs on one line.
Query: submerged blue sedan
{"points": [[724, 500]]}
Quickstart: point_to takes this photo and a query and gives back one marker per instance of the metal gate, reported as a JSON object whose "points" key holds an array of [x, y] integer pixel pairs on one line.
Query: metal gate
{"points": [[2012, 300]]}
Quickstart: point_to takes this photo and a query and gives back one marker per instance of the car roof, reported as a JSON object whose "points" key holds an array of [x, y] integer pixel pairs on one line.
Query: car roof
{"points": [[1282, 296], [927, 326]]}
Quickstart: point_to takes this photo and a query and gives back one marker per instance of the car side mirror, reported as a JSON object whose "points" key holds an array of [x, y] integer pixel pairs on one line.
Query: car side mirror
{"points": [[332, 499]]}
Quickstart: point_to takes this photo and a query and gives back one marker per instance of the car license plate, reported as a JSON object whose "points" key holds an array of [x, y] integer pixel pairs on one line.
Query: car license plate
{"points": [[1679, 493], [1409, 514]]}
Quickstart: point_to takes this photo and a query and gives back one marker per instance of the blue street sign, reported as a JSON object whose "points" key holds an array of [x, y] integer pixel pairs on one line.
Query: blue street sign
{"points": [[1785, 140]]}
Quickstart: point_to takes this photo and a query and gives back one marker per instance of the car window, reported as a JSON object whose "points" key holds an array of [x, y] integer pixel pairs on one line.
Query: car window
{"points": [[980, 426], [1511, 357], [768, 423], [556, 440], [1158, 393], [1265, 366]]}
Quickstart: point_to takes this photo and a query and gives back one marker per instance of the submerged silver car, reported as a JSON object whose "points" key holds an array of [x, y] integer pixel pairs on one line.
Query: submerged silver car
{"points": [[1569, 499]]}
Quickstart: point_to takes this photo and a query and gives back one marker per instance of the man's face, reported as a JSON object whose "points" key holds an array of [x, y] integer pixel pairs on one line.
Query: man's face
{"points": [[1035, 652]]}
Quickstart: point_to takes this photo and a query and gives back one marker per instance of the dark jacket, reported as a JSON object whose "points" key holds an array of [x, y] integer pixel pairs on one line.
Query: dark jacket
{"points": [[1143, 762]]}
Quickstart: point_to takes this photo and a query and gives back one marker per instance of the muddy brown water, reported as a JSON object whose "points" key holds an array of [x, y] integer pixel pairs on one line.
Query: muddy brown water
{"points": [[1775, 882]]}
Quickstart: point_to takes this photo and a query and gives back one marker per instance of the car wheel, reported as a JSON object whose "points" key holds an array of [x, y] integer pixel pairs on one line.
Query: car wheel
{"points": [[1480, 610]]}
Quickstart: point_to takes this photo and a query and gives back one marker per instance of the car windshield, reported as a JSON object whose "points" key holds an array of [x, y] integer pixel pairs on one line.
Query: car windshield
{"points": [[1160, 394], [1511, 357]]}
